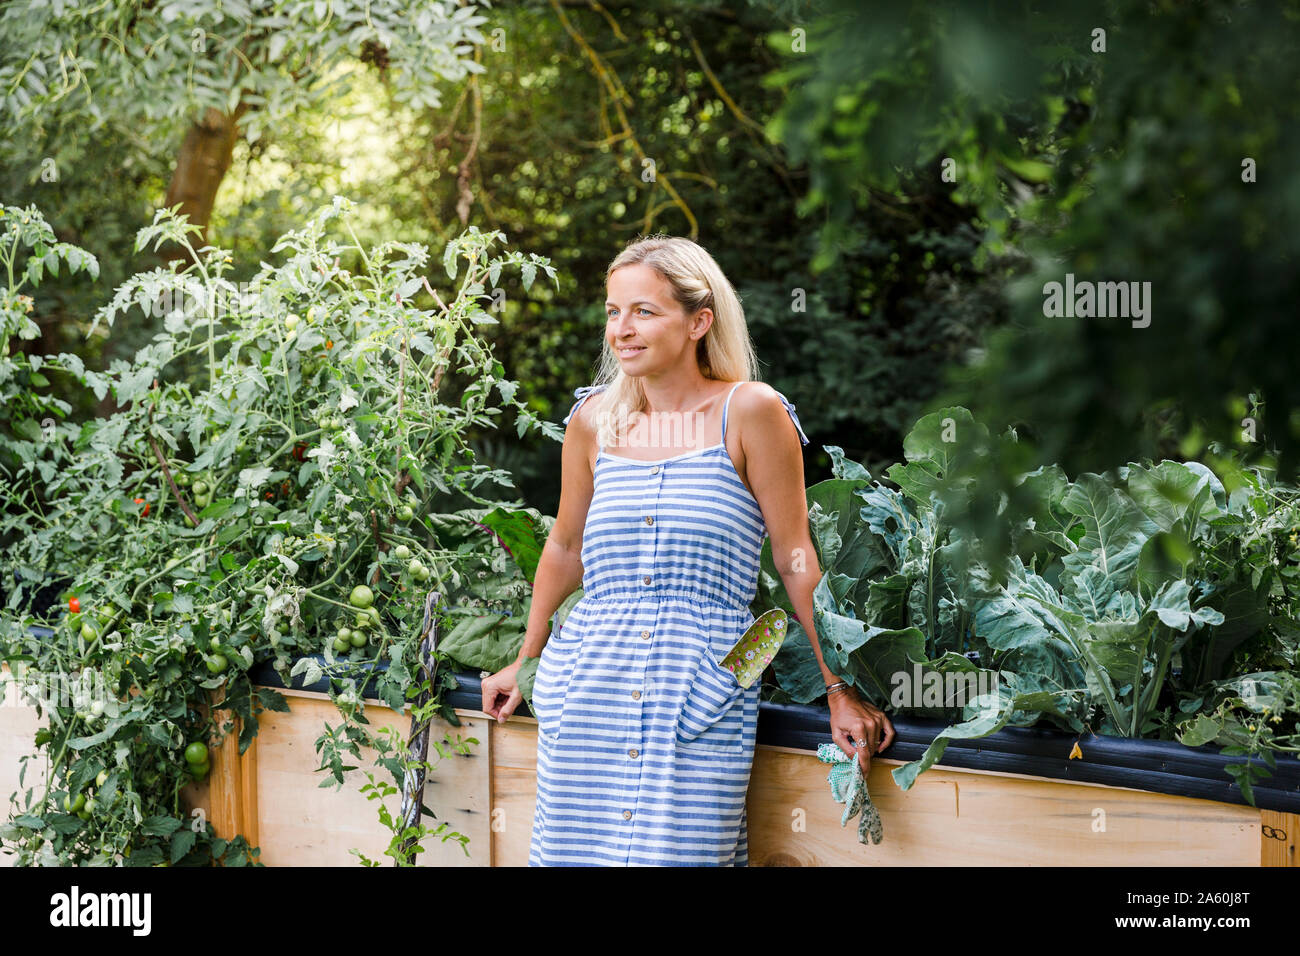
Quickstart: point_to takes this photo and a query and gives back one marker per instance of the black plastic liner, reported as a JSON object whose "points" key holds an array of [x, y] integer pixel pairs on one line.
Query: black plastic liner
{"points": [[1158, 766]]}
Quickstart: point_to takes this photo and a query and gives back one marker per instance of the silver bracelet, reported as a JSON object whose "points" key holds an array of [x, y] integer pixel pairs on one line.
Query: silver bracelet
{"points": [[831, 688]]}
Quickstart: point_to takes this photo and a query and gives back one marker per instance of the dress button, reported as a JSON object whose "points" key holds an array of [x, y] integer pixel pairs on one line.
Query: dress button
{"points": [[636, 695], [632, 752], [649, 520], [645, 635], [647, 579], [654, 470], [627, 814]]}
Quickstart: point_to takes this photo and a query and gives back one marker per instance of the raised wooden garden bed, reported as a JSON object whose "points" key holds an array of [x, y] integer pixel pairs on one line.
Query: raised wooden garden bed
{"points": [[1013, 798]]}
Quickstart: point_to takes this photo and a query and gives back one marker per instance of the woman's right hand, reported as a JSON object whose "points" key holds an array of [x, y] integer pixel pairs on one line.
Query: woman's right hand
{"points": [[501, 693]]}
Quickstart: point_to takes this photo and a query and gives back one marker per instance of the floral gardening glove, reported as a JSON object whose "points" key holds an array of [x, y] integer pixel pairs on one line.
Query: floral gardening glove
{"points": [[849, 787]]}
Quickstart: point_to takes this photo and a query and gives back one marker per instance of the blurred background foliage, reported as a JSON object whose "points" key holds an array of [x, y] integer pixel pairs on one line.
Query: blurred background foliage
{"points": [[888, 191]]}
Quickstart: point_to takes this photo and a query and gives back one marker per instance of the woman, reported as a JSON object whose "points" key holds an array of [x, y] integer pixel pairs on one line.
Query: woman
{"points": [[644, 742]]}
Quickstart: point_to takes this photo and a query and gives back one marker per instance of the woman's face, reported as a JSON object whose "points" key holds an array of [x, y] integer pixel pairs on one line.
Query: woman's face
{"points": [[645, 327]]}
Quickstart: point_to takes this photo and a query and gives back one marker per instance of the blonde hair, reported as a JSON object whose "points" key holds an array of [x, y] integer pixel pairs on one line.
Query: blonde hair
{"points": [[725, 353]]}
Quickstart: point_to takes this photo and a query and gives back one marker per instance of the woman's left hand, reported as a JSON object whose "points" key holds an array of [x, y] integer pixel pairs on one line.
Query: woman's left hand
{"points": [[857, 727]]}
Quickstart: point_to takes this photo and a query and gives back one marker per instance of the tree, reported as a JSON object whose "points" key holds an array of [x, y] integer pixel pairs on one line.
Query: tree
{"points": [[1108, 142], [205, 73]]}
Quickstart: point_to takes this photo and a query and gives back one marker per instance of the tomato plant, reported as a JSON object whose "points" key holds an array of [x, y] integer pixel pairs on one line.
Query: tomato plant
{"points": [[193, 605]]}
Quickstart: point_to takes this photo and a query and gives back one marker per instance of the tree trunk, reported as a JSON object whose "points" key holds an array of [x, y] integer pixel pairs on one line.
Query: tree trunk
{"points": [[202, 164], [200, 168]]}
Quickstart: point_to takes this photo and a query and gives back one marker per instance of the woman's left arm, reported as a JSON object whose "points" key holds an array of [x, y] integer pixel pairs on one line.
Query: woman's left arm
{"points": [[774, 467]]}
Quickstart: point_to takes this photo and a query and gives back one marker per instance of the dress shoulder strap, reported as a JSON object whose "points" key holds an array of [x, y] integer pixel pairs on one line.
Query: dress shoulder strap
{"points": [[581, 394], [789, 407]]}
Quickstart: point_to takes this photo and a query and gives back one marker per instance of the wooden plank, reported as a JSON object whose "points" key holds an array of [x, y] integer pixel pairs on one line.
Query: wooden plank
{"points": [[459, 792], [18, 726], [955, 817], [514, 793], [225, 780], [950, 816], [1279, 834], [302, 824]]}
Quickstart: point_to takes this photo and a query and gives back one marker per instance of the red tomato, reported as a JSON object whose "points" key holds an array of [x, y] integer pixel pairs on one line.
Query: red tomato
{"points": [[299, 450], [74, 605], [141, 501]]}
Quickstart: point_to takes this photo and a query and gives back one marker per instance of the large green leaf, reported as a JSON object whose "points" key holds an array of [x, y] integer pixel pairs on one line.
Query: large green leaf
{"points": [[1021, 613], [796, 667], [1114, 532], [882, 654], [1046, 527], [986, 715], [932, 448], [1171, 490]]}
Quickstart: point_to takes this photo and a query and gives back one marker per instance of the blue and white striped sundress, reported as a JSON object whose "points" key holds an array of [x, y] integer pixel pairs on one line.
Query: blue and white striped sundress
{"points": [[644, 742]]}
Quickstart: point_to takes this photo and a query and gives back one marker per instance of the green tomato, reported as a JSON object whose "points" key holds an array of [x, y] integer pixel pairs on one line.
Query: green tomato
{"points": [[74, 806], [362, 619], [200, 487], [341, 645], [415, 566], [344, 634], [183, 479], [202, 501], [404, 513], [291, 322], [88, 631], [102, 778], [199, 770], [84, 814], [90, 805], [217, 663], [424, 574], [361, 596], [358, 639], [196, 752], [401, 552]]}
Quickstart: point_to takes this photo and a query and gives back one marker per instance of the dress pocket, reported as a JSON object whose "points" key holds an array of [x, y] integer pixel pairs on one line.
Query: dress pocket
{"points": [[552, 679], [712, 716]]}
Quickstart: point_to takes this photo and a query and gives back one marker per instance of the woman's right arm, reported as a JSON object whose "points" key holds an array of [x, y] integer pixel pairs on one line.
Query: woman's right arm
{"points": [[559, 569]]}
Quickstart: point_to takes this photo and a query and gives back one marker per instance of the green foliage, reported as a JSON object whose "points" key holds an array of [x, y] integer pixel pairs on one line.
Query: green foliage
{"points": [[1123, 164], [1118, 609], [165, 63], [206, 528], [381, 790]]}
